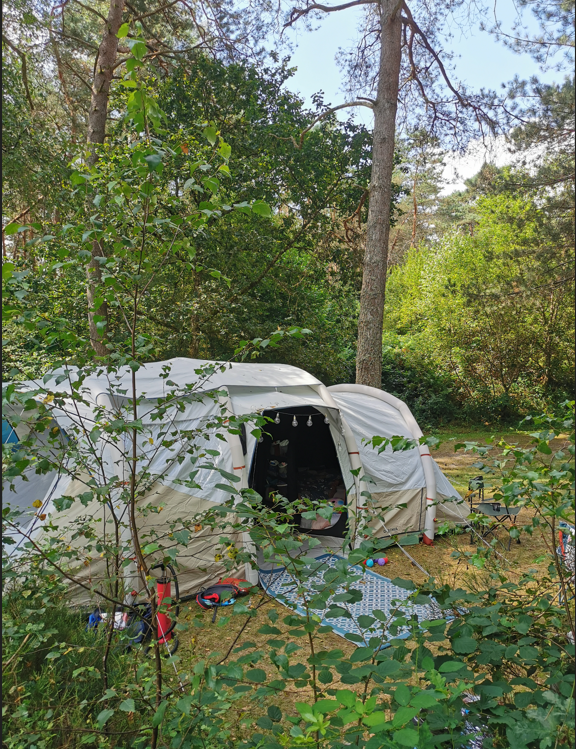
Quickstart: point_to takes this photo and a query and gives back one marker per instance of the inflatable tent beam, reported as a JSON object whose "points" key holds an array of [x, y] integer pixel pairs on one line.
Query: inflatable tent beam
{"points": [[416, 432], [351, 446]]}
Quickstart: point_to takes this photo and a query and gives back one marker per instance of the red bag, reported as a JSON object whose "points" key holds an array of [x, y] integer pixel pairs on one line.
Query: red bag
{"points": [[242, 585]]}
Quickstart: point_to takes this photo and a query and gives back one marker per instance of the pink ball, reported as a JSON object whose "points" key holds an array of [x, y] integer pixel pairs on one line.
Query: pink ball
{"points": [[382, 561]]}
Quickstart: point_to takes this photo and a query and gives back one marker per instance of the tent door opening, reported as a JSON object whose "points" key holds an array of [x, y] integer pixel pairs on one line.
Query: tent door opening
{"points": [[297, 459]]}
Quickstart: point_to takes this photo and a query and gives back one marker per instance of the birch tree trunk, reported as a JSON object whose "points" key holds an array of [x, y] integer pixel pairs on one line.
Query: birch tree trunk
{"points": [[96, 134], [369, 352]]}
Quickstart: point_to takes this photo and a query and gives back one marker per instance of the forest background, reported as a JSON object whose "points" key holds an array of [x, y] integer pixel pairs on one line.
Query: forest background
{"points": [[478, 321]]}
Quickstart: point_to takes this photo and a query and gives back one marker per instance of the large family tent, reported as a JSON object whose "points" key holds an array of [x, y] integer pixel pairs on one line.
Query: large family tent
{"points": [[311, 447]]}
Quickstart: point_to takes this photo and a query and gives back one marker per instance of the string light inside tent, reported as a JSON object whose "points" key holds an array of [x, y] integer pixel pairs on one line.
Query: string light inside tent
{"points": [[309, 421]]}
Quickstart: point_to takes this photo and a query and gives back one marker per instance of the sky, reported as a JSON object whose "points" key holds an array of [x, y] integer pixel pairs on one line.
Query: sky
{"points": [[482, 62]]}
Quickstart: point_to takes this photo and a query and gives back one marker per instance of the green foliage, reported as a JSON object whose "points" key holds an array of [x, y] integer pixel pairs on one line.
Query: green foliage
{"points": [[491, 309], [493, 664], [414, 378]]}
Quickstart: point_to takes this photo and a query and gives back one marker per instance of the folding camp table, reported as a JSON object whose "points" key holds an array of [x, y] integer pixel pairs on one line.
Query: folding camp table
{"points": [[500, 513]]}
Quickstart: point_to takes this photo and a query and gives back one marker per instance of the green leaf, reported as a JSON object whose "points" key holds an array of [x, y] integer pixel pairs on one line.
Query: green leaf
{"points": [[404, 715], [256, 674], [211, 183], [424, 700], [346, 697], [131, 64], [137, 48], [406, 737], [387, 668], [274, 713], [401, 583], [123, 31], [260, 208], [11, 229], [7, 271], [464, 645], [374, 719], [366, 621], [528, 653], [306, 712], [225, 150], [451, 666], [402, 695], [265, 723], [266, 629], [127, 706], [211, 135], [149, 548], [544, 448], [77, 179], [185, 704], [325, 706], [361, 654], [104, 717], [153, 160], [522, 699], [159, 714]]}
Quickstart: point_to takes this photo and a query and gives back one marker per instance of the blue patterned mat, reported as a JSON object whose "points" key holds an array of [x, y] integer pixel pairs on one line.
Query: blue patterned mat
{"points": [[378, 593]]}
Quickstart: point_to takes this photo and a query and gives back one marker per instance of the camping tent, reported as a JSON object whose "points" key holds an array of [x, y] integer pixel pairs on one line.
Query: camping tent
{"points": [[312, 446]]}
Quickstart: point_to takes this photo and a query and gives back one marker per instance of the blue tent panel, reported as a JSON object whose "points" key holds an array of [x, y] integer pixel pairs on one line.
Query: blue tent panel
{"points": [[9, 436]]}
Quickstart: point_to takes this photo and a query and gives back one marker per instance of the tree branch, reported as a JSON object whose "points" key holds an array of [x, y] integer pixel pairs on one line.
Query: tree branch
{"points": [[297, 13], [22, 56], [61, 5], [362, 101], [22, 213], [409, 20], [75, 38], [161, 53], [92, 10], [156, 10]]}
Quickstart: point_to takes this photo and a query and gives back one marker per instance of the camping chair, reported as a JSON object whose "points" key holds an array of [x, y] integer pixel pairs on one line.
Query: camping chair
{"points": [[475, 492], [498, 512]]}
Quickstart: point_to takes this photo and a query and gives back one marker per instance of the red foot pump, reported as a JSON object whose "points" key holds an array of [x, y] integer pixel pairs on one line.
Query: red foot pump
{"points": [[164, 621]]}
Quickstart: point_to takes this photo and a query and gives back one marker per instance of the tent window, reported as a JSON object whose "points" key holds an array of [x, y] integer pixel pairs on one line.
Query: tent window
{"points": [[9, 436]]}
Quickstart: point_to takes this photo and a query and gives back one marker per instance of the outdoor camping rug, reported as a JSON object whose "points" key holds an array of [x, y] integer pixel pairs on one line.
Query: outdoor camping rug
{"points": [[378, 593]]}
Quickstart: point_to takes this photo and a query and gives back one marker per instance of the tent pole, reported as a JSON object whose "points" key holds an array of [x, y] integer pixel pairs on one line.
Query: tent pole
{"points": [[416, 432]]}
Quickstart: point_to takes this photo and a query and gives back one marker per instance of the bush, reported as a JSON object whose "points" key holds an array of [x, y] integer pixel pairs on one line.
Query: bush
{"points": [[410, 376]]}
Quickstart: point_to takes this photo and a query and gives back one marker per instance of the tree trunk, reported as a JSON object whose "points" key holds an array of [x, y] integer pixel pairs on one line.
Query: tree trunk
{"points": [[414, 212], [96, 133], [369, 354]]}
